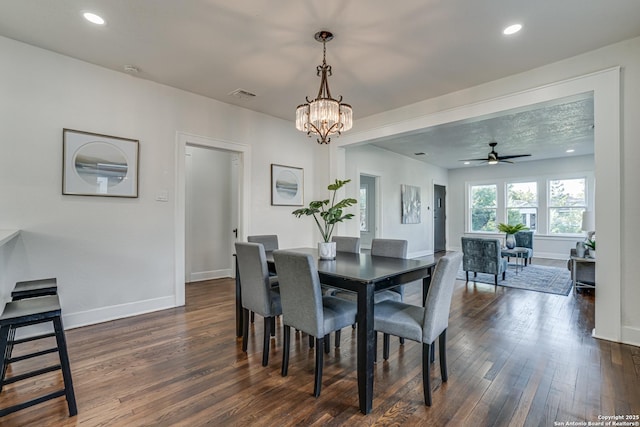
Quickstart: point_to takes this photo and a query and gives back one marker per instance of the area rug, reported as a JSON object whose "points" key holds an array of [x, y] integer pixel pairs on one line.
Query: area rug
{"points": [[552, 280]]}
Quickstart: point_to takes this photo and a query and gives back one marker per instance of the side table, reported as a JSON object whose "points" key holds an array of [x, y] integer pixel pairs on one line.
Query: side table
{"points": [[518, 253], [576, 283]]}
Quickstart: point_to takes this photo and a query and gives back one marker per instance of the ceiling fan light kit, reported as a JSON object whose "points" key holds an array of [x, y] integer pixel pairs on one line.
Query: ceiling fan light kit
{"points": [[324, 116], [493, 158]]}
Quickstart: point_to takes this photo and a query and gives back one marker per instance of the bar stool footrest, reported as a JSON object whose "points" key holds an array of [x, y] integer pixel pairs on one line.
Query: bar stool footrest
{"points": [[32, 355], [31, 374], [14, 408], [34, 338]]}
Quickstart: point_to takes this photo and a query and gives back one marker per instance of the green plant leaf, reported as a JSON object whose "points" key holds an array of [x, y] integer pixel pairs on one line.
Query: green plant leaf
{"points": [[328, 212]]}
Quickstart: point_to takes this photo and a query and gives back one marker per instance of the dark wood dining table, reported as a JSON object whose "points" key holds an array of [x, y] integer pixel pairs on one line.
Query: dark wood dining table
{"points": [[364, 274]]}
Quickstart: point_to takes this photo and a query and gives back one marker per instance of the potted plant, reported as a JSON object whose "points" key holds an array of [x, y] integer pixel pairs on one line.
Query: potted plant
{"points": [[510, 230], [327, 213], [591, 245]]}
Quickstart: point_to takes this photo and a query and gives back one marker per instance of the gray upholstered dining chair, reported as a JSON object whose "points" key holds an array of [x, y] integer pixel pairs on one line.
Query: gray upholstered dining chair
{"points": [[258, 294], [269, 241], [423, 324], [391, 248], [304, 307], [347, 244]]}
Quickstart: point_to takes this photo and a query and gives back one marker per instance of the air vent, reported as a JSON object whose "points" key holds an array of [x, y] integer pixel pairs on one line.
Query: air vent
{"points": [[242, 94], [419, 154]]}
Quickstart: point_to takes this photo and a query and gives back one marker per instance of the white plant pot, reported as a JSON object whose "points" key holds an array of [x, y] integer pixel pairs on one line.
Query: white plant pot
{"points": [[592, 253], [327, 250]]}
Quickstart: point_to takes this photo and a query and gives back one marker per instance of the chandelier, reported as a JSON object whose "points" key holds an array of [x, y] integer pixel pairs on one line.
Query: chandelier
{"points": [[324, 116]]}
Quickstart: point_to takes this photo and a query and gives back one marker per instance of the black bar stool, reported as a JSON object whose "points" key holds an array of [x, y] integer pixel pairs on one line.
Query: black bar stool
{"points": [[29, 289], [32, 311], [34, 288]]}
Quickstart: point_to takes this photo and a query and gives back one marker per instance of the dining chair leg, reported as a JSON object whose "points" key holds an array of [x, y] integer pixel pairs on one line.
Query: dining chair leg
{"points": [[327, 343], [317, 385], [443, 356], [266, 340], [312, 341], [337, 338], [253, 317], [245, 329], [273, 326], [426, 381], [401, 340], [467, 274], [385, 346], [285, 350], [432, 355], [496, 279]]}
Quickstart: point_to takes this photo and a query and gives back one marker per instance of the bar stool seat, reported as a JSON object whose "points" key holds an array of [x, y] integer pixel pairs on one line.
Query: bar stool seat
{"points": [[34, 288], [26, 312]]}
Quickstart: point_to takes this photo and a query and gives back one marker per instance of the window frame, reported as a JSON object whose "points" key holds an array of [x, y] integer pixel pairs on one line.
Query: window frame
{"points": [[543, 212], [584, 207]]}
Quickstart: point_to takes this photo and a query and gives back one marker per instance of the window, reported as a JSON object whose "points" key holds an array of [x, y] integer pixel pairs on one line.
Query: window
{"points": [[522, 204], [567, 201], [484, 204]]}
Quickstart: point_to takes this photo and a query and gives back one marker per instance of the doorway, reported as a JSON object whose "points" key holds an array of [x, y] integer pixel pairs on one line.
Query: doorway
{"points": [[243, 175], [211, 202], [439, 218], [368, 209]]}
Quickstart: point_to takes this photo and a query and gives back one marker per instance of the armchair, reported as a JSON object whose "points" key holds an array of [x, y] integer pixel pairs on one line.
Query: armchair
{"points": [[483, 256]]}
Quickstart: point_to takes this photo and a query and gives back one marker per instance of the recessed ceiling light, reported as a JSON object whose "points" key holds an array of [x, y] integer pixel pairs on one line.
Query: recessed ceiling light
{"points": [[93, 18], [570, 150], [512, 29], [467, 163]]}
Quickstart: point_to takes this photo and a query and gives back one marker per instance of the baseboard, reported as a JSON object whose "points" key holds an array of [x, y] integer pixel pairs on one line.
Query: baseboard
{"points": [[210, 275], [419, 254], [631, 335], [105, 314]]}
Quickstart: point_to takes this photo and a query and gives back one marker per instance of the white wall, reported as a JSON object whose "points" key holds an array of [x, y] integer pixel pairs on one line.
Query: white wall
{"points": [[617, 155], [115, 257], [544, 246], [395, 170]]}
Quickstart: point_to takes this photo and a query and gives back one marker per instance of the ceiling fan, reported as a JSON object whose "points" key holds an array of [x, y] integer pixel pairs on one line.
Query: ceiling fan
{"points": [[493, 157]]}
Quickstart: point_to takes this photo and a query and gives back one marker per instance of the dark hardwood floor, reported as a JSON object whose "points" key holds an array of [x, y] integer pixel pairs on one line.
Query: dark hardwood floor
{"points": [[516, 358]]}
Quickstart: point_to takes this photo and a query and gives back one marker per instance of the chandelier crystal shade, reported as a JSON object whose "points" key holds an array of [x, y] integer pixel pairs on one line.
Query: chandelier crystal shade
{"points": [[324, 116]]}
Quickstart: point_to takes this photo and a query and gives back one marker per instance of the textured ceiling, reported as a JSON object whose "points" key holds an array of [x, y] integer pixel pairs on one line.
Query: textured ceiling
{"points": [[384, 55], [545, 131]]}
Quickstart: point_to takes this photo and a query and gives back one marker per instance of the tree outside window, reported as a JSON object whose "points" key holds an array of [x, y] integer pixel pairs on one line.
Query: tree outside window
{"points": [[567, 201], [484, 204], [522, 204]]}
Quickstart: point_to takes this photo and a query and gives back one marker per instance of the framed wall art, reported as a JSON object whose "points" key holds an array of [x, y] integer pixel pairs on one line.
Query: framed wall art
{"points": [[99, 165], [411, 205], [287, 185]]}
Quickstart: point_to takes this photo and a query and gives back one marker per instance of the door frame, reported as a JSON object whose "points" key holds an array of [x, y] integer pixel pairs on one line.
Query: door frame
{"points": [[244, 186], [377, 208]]}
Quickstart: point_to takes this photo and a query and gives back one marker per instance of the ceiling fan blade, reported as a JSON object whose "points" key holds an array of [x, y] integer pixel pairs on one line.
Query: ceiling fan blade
{"points": [[505, 161], [514, 156], [473, 160]]}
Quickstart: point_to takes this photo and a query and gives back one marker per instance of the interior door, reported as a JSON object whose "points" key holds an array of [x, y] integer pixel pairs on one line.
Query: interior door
{"points": [[439, 218]]}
